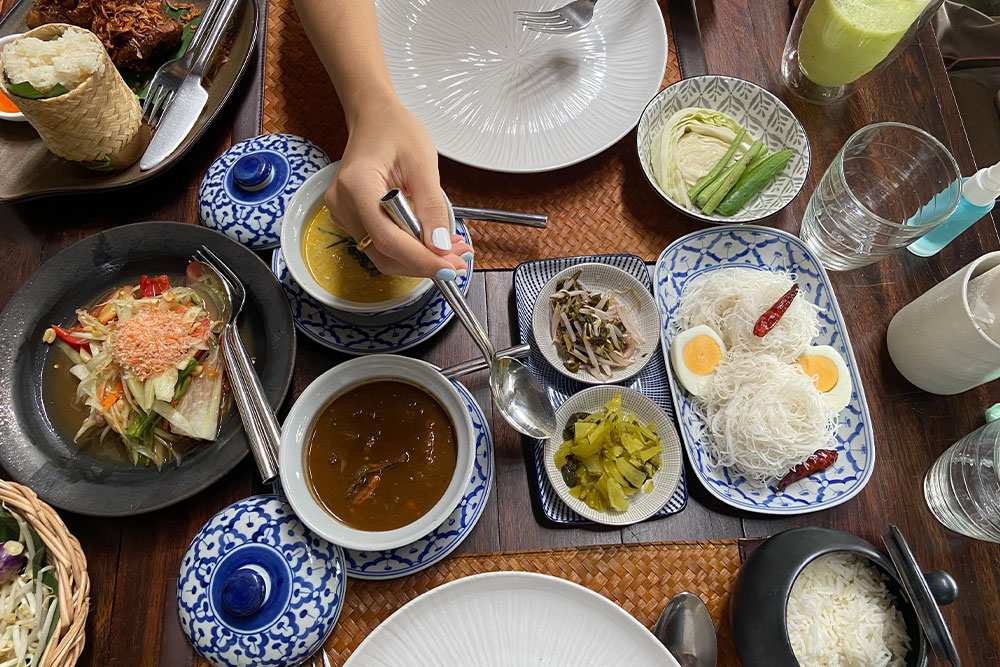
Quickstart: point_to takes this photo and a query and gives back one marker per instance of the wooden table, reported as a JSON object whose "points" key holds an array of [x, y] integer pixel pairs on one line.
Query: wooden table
{"points": [[132, 561]]}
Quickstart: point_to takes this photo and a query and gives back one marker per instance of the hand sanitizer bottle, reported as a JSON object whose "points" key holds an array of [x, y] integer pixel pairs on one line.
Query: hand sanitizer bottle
{"points": [[979, 194]]}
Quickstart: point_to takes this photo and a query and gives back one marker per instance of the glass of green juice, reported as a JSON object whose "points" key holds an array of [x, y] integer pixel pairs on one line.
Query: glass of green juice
{"points": [[834, 45]]}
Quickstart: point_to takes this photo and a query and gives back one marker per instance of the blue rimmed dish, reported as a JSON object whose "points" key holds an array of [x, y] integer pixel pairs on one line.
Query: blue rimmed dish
{"points": [[444, 539], [763, 249], [257, 587], [392, 332], [529, 278]]}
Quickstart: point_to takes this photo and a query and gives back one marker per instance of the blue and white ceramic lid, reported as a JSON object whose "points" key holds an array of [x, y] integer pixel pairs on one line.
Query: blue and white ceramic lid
{"points": [[257, 587], [245, 191]]}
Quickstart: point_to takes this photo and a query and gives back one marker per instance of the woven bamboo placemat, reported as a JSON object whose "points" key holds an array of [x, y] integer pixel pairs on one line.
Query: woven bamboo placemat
{"points": [[601, 205]]}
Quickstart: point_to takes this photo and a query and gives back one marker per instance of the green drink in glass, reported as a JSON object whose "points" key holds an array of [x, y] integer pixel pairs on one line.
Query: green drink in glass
{"points": [[834, 44]]}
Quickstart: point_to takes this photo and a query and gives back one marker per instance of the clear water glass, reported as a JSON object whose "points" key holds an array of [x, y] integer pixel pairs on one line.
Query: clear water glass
{"points": [[834, 46], [889, 185], [962, 488]]}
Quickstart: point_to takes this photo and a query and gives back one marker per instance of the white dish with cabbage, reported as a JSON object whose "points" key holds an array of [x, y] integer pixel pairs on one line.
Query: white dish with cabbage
{"points": [[694, 152]]}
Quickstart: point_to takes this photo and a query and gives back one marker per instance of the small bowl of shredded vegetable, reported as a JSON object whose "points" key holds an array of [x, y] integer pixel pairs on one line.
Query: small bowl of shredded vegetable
{"points": [[595, 323], [722, 150], [615, 457]]}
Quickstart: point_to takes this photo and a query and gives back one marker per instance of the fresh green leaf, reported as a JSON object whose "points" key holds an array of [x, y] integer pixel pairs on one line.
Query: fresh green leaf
{"points": [[27, 91]]}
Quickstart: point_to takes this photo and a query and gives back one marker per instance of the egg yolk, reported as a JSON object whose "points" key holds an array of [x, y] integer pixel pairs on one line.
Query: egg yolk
{"points": [[821, 369], [702, 354]]}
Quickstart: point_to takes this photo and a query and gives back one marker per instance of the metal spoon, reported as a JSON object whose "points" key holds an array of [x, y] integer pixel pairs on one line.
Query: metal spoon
{"points": [[518, 395], [258, 420], [685, 627]]}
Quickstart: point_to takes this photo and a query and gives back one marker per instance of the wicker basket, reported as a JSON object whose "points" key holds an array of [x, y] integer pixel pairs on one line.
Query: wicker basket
{"points": [[64, 552]]}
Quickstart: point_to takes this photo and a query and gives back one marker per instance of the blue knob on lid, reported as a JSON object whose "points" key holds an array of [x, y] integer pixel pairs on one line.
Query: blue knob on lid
{"points": [[253, 172], [244, 592]]}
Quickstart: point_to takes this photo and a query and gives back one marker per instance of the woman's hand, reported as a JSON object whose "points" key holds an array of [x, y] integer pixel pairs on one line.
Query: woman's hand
{"points": [[389, 148]]}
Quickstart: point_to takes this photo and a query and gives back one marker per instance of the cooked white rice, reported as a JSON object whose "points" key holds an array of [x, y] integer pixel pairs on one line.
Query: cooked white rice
{"points": [[840, 614], [68, 60]]}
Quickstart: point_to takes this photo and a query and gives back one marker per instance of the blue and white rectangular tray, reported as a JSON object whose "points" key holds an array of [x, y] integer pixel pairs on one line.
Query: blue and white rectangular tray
{"points": [[651, 381], [765, 249]]}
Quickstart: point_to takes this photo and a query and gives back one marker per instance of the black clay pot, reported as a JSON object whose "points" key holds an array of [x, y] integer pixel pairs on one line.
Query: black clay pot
{"points": [[759, 597]]}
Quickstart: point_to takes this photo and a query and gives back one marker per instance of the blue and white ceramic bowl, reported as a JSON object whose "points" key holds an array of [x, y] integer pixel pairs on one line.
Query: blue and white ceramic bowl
{"points": [[258, 588], [762, 249], [245, 192], [764, 116], [311, 403], [302, 208], [437, 544]]}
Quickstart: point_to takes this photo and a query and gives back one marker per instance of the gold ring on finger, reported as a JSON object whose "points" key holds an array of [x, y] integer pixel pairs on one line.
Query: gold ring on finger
{"points": [[365, 242]]}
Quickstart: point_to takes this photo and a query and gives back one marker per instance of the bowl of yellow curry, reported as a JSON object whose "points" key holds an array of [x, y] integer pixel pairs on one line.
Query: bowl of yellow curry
{"points": [[326, 262]]}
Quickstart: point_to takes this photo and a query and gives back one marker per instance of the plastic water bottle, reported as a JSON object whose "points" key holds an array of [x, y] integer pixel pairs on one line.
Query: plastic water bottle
{"points": [[979, 194]]}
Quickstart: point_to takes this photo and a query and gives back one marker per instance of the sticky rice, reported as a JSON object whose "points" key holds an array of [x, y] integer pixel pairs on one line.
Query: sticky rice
{"points": [[68, 60]]}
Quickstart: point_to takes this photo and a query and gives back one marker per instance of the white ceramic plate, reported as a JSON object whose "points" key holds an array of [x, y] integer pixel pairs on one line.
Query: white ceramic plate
{"points": [[511, 619], [641, 505], [601, 278], [764, 116], [496, 96]]}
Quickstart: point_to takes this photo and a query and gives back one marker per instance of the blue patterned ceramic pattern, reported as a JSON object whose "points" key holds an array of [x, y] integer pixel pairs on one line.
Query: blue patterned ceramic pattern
{"points": [[445, 538], [253, 218], [763, 249], [652, 381], [307, 579], [401, 331]]}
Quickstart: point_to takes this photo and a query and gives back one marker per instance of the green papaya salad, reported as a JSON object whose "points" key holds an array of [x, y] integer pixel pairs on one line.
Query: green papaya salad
{"points": [[705, 161]]}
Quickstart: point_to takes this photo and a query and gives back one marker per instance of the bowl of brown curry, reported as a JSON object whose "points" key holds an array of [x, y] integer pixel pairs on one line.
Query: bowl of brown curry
{"points": [[376, 452]]}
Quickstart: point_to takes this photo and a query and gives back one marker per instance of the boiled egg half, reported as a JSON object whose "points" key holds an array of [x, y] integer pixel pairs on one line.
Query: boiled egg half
{"points": [[695, 354], [829, 374]]}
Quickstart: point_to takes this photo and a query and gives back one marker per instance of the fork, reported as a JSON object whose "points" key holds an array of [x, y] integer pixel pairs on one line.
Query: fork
{"points": [[263, 415], [171, 74], [565, 20]]}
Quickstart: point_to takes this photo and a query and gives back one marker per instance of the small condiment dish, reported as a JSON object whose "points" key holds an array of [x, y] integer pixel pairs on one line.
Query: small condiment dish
{"points": [[627, 290], [764, 116], [304, 205], [300, 423], [641, 505], [16, 117]]}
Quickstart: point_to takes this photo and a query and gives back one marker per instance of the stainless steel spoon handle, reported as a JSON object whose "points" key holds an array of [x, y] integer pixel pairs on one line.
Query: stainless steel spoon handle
{"points": [[258, 435], [496, 215], [395, 203], [464, 368]]}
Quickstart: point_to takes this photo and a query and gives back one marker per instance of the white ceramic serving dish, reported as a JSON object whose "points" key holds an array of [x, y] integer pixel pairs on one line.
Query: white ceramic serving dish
{"points": [[306, 201], [310, 404], [764, 116], [601, 278], [641, 505], [16, 117], [500, 619], [494, 95]]}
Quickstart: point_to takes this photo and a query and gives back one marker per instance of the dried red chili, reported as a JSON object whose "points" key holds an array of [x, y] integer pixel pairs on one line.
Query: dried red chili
{"points": [[770, 318], [820, 460], [69, 338]]}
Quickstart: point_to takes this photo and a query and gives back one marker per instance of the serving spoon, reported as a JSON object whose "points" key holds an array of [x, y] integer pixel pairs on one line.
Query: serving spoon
{"points": [[517, 393], [685, 627]]}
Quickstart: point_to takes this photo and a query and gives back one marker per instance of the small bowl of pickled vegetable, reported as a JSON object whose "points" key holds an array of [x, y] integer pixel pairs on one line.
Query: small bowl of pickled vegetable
{"points": [[596, 323], [615, 458], [722, 149]]}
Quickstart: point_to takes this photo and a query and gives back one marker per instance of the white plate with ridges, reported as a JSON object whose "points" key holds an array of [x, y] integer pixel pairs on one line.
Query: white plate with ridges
{"points": [[511, 619], [496, 96]]}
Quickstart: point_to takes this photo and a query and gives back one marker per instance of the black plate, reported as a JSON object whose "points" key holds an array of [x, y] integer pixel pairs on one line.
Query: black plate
{"points": [[36, 455]]}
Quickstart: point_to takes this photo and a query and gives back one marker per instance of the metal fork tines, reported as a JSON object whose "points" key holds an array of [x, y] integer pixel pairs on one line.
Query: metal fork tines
{"points": [[168, 78], [565, 20]]}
